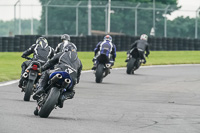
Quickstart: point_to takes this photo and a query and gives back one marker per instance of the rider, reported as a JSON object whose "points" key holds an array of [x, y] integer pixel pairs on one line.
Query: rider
{"points": [[41, 52], [65, 43], [142, 46], [107, 42], [64, 61]]}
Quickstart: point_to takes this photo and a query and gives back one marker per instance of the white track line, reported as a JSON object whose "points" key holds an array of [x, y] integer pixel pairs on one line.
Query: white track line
{"points": [[15, 81], [9, 83]]}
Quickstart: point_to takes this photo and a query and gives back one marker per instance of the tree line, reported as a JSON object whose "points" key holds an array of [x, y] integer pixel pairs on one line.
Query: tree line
{"points": [[63, 19]]}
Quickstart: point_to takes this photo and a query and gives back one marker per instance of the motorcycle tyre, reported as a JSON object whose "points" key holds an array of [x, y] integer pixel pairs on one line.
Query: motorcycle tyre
{"points": [[99, 73], [28, 90], [130, 66], [50, 103]]}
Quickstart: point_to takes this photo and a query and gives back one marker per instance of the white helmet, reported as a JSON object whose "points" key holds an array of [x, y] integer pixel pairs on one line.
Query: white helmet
{"points": [[144, 37]]}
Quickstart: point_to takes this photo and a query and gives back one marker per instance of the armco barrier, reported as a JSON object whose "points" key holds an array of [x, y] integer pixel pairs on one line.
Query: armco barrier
{"points": [[20, 43]]}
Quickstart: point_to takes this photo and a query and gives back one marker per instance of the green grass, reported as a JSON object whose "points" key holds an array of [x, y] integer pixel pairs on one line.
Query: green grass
{"points": [[10, 62]]}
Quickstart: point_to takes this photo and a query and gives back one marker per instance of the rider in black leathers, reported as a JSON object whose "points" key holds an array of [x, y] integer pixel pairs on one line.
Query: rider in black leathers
{"points": [[64, 61], [142, 46], [41, 52], [64, 44]]}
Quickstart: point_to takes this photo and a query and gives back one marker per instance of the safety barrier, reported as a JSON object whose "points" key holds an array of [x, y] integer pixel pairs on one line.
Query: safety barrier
{"points": [[20, 43]]}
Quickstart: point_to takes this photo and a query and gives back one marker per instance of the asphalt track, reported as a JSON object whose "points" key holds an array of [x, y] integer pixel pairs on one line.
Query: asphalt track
{"points": [[161, 99]]}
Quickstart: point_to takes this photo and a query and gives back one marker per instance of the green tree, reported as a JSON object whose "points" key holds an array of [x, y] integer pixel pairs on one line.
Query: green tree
{"points": [[182, 27]]}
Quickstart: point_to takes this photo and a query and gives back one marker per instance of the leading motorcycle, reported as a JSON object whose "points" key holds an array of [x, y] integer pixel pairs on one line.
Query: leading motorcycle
{"points": [[58, 83], [134, 61]]}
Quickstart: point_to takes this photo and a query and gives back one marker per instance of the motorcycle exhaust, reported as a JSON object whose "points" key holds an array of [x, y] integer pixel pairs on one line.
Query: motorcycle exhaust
{"points": [[56, 78], [142, 61], [59, 76], [25, 75], [68, 81], [108, 65]]}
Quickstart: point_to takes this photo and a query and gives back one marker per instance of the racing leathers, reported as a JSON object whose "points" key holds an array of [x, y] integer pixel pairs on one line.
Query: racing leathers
{"points": [[100, 47], [143, 48], [65, 45], [63, 61], [40, 53]]}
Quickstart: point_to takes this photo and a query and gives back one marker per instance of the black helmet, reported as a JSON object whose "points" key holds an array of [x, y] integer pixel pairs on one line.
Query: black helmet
{"points": [[42, 41], [65, 37]]}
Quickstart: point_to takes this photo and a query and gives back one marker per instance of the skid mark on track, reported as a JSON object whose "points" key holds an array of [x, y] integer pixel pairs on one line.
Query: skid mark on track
{"points": [[149, 125]]}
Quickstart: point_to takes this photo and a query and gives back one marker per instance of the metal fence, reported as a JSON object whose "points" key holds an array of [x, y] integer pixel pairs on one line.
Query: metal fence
{"points": [[136, 18]]}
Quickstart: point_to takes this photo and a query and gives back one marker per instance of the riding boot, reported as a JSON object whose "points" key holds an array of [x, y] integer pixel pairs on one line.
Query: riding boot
{"points": [[94, 63], [21, 82], [94, 66], [127, 59], [69, 94], [43, 82], [21, 77]]}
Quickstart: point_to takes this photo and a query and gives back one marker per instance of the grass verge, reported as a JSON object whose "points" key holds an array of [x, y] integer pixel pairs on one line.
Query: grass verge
{"points": [[10, 62]]}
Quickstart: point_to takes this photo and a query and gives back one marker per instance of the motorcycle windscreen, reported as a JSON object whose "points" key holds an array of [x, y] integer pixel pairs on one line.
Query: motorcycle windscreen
{"points": [[64, 76]]}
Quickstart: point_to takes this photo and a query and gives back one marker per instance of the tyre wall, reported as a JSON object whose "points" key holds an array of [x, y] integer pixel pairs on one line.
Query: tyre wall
{"points": [[20, 43]]}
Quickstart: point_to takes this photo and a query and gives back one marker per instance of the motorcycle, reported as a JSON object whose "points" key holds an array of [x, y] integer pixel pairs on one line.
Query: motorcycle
{"points": [[103, 67], [134, 61], [30, 79], [58, 83]]}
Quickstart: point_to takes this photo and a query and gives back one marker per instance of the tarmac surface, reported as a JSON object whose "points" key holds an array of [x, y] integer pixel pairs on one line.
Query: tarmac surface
{"points": [[157, 99]]}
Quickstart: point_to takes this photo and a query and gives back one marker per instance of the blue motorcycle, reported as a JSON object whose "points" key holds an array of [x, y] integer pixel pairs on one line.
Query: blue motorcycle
{"points": [[103, 65], [58, 83]]}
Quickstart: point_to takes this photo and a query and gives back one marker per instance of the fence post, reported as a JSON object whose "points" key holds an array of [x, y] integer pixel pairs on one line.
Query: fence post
{"points": [[89, 17], [46, 18], [136, 18], [154, 24], [165, 28], [196, 23], [109, 6], [77, 17], [106, 18]]}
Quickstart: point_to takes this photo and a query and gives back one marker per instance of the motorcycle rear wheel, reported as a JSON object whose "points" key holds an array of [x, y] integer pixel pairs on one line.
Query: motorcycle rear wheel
{"points": [[28, 90], [50, 103], [99, 73], [130, 66]]}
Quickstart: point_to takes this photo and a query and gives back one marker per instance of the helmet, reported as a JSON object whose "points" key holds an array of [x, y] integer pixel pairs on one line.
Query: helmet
{"points": [[144, 37], [107, 37], [42, 41], [65, 37]]}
